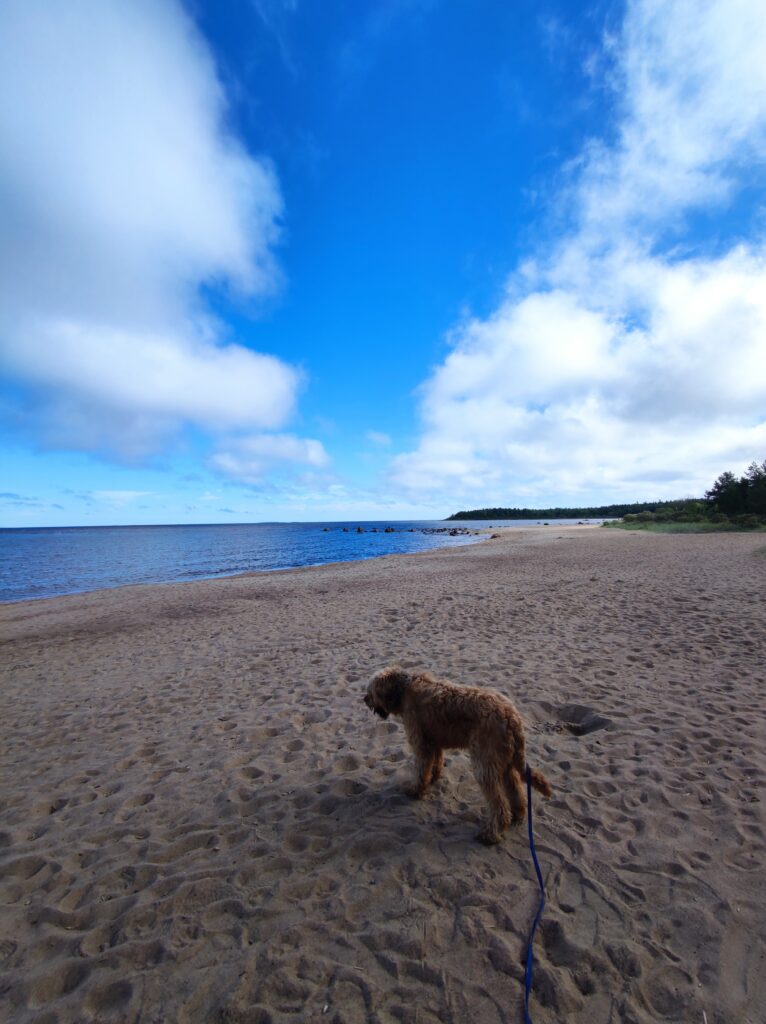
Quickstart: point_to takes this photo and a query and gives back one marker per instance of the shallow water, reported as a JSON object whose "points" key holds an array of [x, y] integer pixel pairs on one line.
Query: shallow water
{"points": [[48, 562], [64, 560]]}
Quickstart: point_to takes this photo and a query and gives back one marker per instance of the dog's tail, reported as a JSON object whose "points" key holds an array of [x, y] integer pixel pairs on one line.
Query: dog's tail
{"points": [[541, 784], [539, 781]]}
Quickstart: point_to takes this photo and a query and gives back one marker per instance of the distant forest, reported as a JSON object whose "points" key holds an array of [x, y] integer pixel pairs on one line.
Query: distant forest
{"points": [[731, 501], [594, 512]]}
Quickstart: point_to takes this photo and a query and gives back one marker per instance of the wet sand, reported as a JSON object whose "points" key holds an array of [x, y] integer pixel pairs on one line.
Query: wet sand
{"points": [[201, 821]]}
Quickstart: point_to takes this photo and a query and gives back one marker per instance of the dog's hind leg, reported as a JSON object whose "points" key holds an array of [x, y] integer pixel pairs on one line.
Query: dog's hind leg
{"points": [[514, 786], [514, 774], [490, 776]]}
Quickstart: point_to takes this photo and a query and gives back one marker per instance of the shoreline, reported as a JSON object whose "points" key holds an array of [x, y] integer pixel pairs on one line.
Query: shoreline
{"points": [[220, 575], [201, 820], [472, 536], [230, 576], [485, 537]]}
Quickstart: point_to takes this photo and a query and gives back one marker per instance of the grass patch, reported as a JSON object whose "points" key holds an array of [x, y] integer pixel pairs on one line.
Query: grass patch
{"points": [[686, 528]]}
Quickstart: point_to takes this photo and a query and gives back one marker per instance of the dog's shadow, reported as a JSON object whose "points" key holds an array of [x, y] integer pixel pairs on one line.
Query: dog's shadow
{"points": [[366, 817]]}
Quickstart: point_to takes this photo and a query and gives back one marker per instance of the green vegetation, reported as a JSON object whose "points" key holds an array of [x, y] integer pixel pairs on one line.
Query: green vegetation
{"points": [[730, 504], [671, 527], [594, 512]]}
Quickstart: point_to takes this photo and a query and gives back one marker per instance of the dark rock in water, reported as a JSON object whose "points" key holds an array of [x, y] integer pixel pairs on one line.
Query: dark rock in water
{"points": [[359, 529], [389, 529], [326, 529], [345, 529], [581, 720], [455, 531]]}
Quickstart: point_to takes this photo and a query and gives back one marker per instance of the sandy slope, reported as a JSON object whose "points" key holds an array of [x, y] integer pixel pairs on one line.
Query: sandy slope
{"points": [[200, 820]]}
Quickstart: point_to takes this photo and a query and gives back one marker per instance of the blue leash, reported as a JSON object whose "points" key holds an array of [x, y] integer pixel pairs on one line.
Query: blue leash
{"points": [[530, 955]]}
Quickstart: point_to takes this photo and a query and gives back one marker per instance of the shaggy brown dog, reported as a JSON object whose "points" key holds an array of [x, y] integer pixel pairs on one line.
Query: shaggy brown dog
{"points": [[438, 715]]}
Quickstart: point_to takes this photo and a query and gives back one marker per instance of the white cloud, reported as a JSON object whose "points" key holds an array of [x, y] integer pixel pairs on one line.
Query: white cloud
{"points": [[123, 193], [249, 458], [119, 498], [378, 438], [691, 104], [168, 374], [612, 367]]}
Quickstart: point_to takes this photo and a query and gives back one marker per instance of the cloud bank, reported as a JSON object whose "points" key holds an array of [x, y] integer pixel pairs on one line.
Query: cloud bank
{"points": [[251, 458], [629, 360], [122, 195]]}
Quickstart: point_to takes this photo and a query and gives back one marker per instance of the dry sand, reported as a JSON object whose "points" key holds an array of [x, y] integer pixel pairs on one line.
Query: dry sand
{"points": [[200, 820]]}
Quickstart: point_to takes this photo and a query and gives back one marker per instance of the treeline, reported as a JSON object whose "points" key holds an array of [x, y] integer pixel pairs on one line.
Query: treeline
{"points": [[731, 501], [746, 495], [594, 512]]}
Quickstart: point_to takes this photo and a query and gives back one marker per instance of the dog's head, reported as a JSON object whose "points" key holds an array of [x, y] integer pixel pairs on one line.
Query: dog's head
{"points": [[385, 694]]}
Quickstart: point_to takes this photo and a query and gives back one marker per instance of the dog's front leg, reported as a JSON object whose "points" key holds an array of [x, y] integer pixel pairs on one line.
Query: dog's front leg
{"points": [[426, 760], [438, 765], [423, 774]]}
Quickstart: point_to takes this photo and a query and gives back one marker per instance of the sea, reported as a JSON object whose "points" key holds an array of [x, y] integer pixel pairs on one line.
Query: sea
{"points": [[49, 562]]}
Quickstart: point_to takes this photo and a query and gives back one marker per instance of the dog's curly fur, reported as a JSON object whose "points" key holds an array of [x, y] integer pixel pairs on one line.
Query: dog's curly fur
{"points": [[438, 716]]}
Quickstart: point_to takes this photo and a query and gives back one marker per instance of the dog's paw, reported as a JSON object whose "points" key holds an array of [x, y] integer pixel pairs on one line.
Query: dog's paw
{"points": [[413, 791], [489, 837]]}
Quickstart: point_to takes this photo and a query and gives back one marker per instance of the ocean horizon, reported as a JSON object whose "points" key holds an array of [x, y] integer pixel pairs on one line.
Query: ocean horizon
{"points": [[40, 562]]}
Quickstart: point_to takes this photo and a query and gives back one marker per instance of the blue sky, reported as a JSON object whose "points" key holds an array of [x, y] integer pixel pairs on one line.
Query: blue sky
{"points": [[282, 260]]}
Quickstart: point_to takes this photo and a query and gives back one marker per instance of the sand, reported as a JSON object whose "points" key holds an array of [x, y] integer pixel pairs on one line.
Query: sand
{"points": [[201, 821]]}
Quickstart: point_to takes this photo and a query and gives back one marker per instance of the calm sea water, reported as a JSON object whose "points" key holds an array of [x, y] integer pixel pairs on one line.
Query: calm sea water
{"points": [[47, 562]]}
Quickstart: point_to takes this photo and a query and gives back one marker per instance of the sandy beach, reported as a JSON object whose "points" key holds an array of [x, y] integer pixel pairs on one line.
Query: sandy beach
{"points": [[201, 821]]}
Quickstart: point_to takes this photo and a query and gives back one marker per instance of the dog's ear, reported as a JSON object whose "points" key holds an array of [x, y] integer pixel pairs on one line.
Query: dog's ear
{"points": [[390, 686]]}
